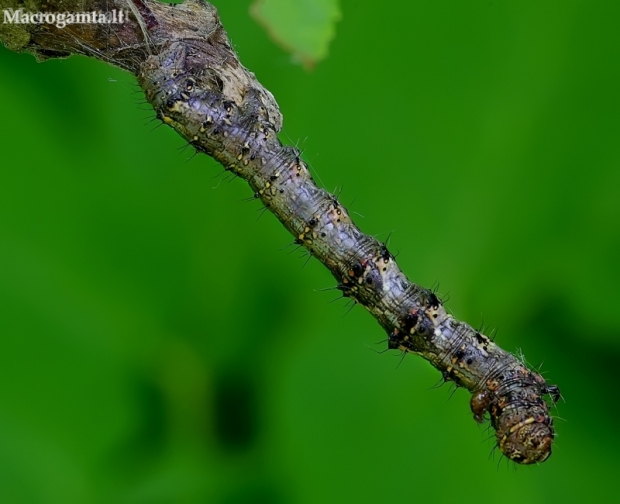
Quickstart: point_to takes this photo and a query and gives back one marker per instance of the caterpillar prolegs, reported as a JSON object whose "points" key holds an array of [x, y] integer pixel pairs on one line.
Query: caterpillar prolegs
{"points": [[202, 91]]}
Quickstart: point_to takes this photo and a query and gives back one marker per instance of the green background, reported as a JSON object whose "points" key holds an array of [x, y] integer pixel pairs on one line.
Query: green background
{"points": [[160, 345]]}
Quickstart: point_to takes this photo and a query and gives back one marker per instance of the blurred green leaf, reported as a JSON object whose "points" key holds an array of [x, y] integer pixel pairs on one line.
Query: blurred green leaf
{"points": [[302, 27]]}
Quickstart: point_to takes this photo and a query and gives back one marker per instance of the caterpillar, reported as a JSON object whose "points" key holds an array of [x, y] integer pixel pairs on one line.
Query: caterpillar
{"points": [[200, 89]]}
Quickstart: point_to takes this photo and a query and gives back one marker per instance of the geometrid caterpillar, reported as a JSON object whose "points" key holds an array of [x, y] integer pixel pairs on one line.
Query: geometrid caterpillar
{"points": [[197, 85]]}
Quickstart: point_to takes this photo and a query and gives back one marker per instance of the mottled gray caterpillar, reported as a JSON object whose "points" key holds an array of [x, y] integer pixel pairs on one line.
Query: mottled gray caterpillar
{"points": [[222, 111]]}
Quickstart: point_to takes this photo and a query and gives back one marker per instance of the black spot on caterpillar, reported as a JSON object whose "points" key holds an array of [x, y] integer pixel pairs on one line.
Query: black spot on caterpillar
{"points": [[238, 127]]}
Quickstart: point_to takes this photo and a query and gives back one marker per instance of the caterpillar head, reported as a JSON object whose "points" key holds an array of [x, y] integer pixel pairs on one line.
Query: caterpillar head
{"points": [[528, 441], [520, 415]]}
